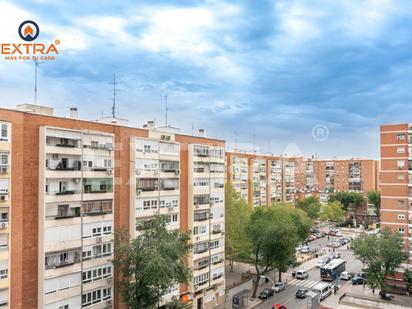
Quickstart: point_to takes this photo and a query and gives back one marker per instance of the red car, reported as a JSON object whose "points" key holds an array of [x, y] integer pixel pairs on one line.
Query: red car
{"points": [[279, 306]]}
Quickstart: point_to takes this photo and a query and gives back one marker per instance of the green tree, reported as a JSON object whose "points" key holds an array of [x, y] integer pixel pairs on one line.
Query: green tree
{"points": [[237, 218], [374, 197], [176, 304], [333, 211], [407, 277], [151, 263], [310, 205], [348, 199], [274, 233], [381, 254]]}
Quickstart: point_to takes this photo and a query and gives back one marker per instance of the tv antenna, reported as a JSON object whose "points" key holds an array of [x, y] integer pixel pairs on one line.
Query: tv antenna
{"points": [[36, 65], [166, 109], [114, 96]]}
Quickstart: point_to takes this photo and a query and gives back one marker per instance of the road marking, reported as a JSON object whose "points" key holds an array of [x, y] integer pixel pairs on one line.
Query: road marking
{"points": [[303, 283]]}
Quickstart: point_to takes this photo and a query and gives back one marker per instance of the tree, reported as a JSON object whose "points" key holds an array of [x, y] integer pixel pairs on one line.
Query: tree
{"points": [[176, 304], [381, 254], [274, 233], [237, 217], [310, 205], [348, 199], [374, 197], [151, 263], [407, 277], [333, 211]]}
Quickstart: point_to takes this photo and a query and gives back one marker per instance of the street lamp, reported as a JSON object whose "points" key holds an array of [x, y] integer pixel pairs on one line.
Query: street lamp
{"points": [[274, 293]]}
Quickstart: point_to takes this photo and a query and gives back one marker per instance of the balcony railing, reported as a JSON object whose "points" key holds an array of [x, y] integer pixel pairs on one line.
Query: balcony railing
{"points": [[67, 192]]}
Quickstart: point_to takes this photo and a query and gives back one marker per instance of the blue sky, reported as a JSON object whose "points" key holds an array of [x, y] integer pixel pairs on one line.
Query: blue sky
{"points": [[269, 69]]}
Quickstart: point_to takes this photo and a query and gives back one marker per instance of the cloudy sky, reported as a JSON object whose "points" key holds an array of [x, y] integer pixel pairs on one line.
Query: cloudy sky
{"points": [[264, 71]]}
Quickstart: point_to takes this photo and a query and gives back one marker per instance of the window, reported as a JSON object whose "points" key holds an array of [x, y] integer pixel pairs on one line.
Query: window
{"points": [[400, 136], [214, 244], [97, 231], [4, 273], [95, 274], [94, 144], [401, 230], [201, 279], [401, 203], [4, 132], [64, 307], [400, 164], [199, 230], [201, 151], [4, 159], [400, 150], [401, 217]]}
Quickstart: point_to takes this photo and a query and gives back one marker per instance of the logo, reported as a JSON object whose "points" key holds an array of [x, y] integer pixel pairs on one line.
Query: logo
{"points": [[320, 133], [29, 30]]}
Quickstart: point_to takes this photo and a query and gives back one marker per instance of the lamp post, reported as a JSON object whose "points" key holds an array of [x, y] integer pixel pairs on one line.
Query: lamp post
{"points": [[274, 293]]}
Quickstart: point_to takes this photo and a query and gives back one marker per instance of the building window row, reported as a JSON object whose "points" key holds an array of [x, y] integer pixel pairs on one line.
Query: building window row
{"points": [[97, 273], [97, 251], [96, 297]]}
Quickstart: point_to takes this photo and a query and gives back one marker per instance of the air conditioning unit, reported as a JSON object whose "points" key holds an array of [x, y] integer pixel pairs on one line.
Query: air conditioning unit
{"points": [[55, 156], [3, 225], [109, 280], [138, 192], [177, 172], [3, 197], [108, 302], [109, 171], [76, 180], [4, 170], [138, 171], [156, 172], [98, 239]]}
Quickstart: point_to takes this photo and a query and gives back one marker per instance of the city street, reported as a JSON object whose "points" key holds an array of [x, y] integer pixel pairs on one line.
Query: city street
{"points": [[288, 298]]}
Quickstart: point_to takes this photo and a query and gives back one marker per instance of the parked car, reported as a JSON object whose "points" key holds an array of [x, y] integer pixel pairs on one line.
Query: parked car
{"points": [[334, 244], [322, 262], [386, 296], [336, 255], [301, 293], [301, 274], [305, 249], [358, 280], [338, 234], [279, 286], [266, 293], [345, 275]]}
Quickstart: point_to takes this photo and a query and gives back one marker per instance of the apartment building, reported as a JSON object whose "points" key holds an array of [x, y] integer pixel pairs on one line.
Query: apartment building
{"points": [[75, 182], [206, 209], [263, 178], [75, 218], [396, 182], [5, 211]]}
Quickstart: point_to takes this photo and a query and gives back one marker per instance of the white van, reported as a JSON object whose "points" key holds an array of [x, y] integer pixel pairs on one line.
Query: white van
{"points": [[301, 274], [323, 289]]}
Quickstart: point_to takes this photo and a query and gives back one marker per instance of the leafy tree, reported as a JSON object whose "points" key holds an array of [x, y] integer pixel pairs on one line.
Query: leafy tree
{"points": [[407, 277], [348, 199], [151, 263], [176, 304], [333, 211], [381, 254], [237, 217], [374, 197], [310, 205], [274, 233]]}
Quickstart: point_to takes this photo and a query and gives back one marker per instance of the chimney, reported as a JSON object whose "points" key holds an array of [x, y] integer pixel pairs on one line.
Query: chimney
{"points": [[74, 113], [201, 133]]}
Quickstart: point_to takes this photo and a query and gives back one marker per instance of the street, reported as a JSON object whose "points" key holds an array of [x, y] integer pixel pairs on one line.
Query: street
{"points": [[287, 297]]}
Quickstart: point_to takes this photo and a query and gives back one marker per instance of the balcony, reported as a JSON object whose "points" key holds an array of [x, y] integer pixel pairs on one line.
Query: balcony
{"points": [[62, 259], [201, 248], [95, 208], [96, 185], [201, 216]]}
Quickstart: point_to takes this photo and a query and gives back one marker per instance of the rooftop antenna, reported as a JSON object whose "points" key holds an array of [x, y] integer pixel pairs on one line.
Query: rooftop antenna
{"points": [[114, 96], [269, 146], [36, 65], [235, 140], [193, 129], [254, 143], [166, 110]]}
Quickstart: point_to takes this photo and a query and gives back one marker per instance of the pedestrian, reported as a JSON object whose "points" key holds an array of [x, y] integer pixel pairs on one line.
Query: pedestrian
{"points": [[333, 249], [364, 283]]}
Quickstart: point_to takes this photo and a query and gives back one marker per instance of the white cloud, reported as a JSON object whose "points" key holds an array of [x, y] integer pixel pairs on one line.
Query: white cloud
{"points": [[10, 18]]}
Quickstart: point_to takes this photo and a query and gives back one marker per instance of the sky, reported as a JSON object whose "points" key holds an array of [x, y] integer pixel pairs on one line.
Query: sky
{"points": [[262, 75]]}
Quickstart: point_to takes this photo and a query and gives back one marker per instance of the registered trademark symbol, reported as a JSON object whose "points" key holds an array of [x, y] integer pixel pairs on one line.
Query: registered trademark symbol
{"points": [[57, 42]]}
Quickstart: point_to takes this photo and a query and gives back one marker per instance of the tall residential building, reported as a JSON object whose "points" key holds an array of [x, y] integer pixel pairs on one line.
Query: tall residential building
{"points": [[5, 211], [263, 178], [75, 182], [396, 182]]}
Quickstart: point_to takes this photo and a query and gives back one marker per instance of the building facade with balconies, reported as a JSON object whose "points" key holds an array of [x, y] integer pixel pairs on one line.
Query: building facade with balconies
{"points": [[76, 225], [206, 209], [5, 211], [396, 183]]}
